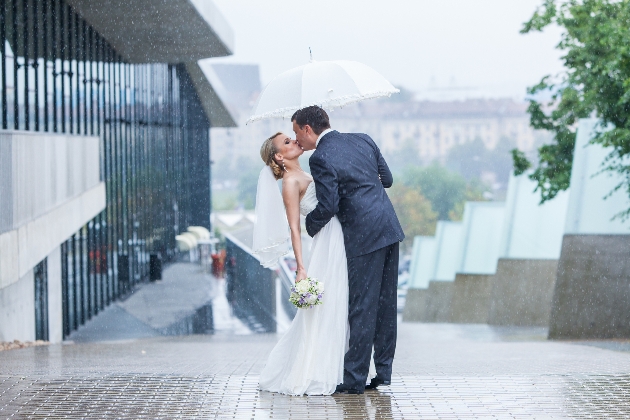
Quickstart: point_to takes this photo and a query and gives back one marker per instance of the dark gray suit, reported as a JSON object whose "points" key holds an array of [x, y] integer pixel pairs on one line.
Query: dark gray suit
{"points": [[346, 169]]}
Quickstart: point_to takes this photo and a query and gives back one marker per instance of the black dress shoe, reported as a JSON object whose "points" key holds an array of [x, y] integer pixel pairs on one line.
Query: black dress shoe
{"points": [[341, 389], [375, 382]]}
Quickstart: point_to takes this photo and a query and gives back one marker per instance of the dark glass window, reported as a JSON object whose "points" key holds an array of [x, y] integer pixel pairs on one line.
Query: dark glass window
{"points": [[60, 75]]}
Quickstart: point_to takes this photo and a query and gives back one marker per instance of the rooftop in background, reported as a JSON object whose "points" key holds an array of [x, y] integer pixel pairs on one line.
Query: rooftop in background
{"points": [[471, 108]]}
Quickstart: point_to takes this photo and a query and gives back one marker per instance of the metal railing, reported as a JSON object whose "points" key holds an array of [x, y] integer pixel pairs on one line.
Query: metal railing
{"points": [[251, 288], [287, 278]]}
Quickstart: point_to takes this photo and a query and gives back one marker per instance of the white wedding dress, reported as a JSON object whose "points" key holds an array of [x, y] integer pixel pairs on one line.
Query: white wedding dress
{"points": [[308, 359]]}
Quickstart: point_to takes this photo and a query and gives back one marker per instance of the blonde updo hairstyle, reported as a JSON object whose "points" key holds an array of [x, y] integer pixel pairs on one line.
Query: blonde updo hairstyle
{"points": [[267, 153]]}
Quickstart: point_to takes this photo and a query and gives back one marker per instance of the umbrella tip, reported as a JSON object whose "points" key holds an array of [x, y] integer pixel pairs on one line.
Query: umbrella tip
{"points": [[310, 53]]}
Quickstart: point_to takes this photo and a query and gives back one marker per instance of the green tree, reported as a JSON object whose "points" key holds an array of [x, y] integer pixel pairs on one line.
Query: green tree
{"points": [[596, 81], [404, 157], [500, 159], [414, 212], [247, 185], [224, 200], [442, 187], [474, 192], [471, 159]]}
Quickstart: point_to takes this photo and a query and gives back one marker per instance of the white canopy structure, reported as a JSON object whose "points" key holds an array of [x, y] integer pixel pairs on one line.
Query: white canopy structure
{"points": [[481, 237], [588, 212], [147, 31], [532, 230], [422, 261], [448, 236]]}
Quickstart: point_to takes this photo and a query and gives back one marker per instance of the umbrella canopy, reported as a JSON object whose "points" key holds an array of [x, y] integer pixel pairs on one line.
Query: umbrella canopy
{"points": [[329, 84]]}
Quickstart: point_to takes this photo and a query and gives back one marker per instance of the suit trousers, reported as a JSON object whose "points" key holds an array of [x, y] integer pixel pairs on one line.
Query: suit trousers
{"points": [[372, 315]]}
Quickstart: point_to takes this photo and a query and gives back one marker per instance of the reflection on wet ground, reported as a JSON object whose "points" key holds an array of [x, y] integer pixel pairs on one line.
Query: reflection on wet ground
{"points": [[155, 396], [441, 371], [616, 344]]}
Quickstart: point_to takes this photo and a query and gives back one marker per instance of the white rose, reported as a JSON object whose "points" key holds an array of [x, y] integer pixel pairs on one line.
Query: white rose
{"points": [[302, 287], [320, 287]]}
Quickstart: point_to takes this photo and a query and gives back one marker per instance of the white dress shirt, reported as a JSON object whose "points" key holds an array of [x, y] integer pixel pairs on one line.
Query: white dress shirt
{"points": [[323, 133]]}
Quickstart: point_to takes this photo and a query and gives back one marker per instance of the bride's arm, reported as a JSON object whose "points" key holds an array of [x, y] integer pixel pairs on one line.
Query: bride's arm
{"points": [[291, 197]]}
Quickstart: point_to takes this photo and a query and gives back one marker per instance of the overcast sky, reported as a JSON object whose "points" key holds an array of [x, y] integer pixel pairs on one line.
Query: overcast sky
{"points": [[442, 49]]}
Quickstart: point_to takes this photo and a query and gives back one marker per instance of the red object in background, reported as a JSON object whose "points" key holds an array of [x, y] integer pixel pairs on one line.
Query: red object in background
{"points": [[218, 264], [98, 261]]}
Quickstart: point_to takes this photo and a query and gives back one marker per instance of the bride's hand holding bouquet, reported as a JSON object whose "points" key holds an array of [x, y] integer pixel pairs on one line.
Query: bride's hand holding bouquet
{"points": [[307, 293], [300, 274]]}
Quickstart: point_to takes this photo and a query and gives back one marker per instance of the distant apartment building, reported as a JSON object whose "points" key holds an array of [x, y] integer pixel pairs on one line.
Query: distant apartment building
{"points": [[436, 127], [432, 127]]}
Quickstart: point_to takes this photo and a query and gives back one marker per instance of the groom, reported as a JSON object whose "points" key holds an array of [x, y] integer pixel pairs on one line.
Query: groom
{"points": [[350, 179]]}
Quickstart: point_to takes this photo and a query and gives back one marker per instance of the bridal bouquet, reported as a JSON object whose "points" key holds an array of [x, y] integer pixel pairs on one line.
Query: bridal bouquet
{"points": [[307, 293]]}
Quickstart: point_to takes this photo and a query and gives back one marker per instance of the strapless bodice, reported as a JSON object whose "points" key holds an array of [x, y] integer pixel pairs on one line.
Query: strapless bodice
{"points": [[309, 200]]}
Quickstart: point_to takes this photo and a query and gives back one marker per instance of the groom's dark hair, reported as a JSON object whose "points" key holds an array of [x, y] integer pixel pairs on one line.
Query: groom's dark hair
{"points": [[313, 116]]}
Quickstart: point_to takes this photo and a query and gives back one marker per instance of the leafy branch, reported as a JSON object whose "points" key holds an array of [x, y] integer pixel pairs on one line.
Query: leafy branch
{"points": [[595, 82]]}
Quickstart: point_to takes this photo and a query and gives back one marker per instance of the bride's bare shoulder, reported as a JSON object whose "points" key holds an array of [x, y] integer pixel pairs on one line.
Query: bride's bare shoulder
{"points": [[290, 186]]}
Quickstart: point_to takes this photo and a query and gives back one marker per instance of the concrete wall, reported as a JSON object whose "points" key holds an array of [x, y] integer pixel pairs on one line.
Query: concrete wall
{"points": [[438, 302], [592, 293], [522, 291], [428, 299], [17, 310], [470, 247], [41, 171], [530, 247], [415, 305], [23, 248], [17, 305], [471, 298], [477, 260], [49, 187]]}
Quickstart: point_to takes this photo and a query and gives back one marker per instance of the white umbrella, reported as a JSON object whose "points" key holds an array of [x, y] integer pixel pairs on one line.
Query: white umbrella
{"points": [[329, 84]]}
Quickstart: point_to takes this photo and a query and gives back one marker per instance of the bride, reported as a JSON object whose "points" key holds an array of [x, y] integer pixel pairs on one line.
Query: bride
{"points": [[309, 358]]}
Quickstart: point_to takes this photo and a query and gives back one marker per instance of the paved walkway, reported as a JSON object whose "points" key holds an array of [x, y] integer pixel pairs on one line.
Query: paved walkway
{"points": [[441, 371]]}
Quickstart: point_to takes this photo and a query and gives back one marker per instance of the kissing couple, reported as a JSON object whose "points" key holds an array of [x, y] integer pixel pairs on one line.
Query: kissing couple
{"points": [[329, 348]]}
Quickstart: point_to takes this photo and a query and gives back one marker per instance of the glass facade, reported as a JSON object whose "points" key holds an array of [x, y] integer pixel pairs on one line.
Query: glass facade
{"points": [[59, 75]]}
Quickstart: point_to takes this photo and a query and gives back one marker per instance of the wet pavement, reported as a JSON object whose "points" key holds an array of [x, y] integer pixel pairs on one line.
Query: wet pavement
{"points": [[441, 371], [186, 301]]}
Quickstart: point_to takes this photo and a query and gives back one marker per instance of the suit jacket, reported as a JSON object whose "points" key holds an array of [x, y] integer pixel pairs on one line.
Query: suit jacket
{"points": [[346, 169]]}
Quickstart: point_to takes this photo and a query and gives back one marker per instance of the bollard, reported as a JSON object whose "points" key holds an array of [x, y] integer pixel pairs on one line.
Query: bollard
{"points": [[155, 267], [123, 272]]}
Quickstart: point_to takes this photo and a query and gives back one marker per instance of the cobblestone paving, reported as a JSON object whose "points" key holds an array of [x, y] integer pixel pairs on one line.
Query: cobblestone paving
{"points": [[442, 371]]}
